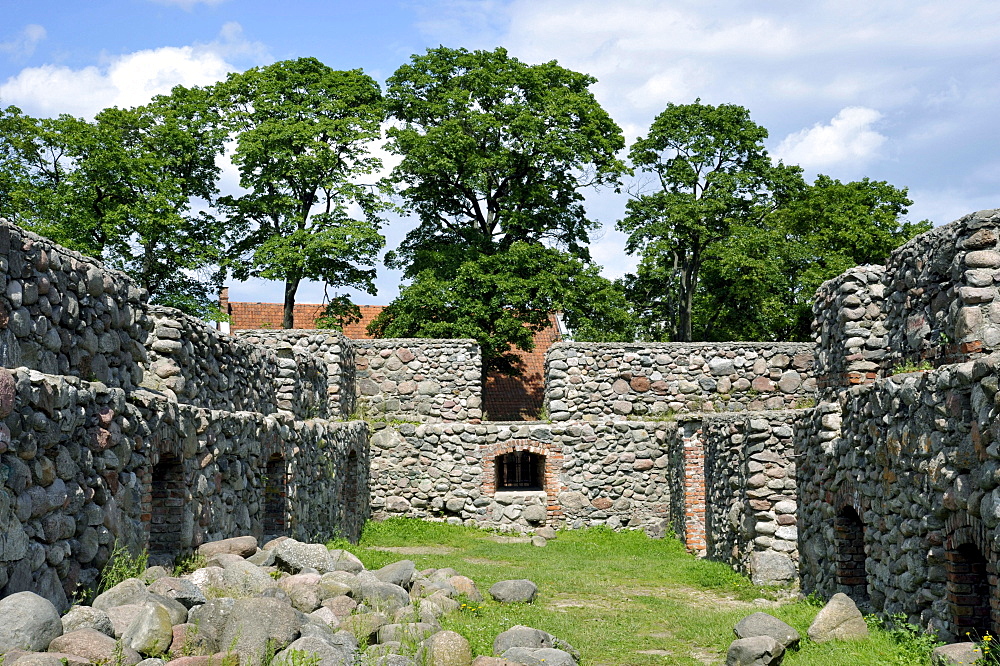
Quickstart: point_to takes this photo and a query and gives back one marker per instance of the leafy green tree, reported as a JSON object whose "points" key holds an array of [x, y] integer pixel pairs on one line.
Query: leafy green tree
{"points": [[706, 170], [303, 133], [759, 284], [124, 188], [504, 299], [494, 151]]}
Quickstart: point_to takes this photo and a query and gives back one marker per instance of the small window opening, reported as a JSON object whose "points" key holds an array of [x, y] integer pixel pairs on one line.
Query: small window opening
{"points": [[969, 591], [275, 497], [520, 470], [351, 481]]}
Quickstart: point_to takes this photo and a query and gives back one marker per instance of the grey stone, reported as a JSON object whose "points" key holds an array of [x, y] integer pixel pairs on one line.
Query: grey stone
{"points": [[398, 573], [539, 657], [514, 591], [129, 591], [329, 654], [244, 546], [254, 622], [445, 648], [535, 513], [384, 596], [522, 636], [87, 617], [955, 654], [762, 624], [30, 622], [772, 568], [151, 631], [840, 619], [756, 651], [181, 589]]}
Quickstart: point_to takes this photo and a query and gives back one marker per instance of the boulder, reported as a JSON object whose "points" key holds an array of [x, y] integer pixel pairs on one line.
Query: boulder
{"points": [[467, 587], [121, 617], [87, 617], [363, 625], [51, 659], [254, 622], [522, 636], [539, 657], [839, 620], [398, 573], [492, 661], [29, 622], [129, 591], [345, 561], [410, 632], [181, 589], [772, 568], [756, 651], [93, 646], [762, 624], [191, 639], [328, 654], [244, 546], [445, 648], [514, 591], [303, 591], [384, 596], [151, 632], [295, 556], [949, 655]]}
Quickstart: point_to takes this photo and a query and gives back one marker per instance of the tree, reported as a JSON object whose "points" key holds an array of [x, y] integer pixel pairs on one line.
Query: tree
{"points": [[504, 299], [711, 172], [494, 152], [302, 134], [123, 188], [759, 283]]}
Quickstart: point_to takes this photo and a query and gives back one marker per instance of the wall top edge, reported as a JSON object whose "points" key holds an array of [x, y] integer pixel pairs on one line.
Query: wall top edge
{"points": [[392, 342], [797, 346]]}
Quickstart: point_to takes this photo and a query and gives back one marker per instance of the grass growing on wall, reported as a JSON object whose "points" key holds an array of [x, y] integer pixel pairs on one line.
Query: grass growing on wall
{"points": [[614, 595]]}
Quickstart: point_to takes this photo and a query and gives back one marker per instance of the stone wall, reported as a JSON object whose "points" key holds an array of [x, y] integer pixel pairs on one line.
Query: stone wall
{"points": [[64, 313], [333, 350], [595, 474], [598, 381], [419, 379], [750, 480], [911, 461], [217, 446], [849, 325]]}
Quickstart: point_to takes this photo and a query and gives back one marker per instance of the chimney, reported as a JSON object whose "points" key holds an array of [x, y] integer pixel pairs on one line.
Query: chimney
{"points": [[224, 308]]}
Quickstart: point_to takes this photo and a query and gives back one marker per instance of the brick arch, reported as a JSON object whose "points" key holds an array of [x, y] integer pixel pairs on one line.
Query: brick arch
{"points": [[165, 490], [552, 454], [971, 577]]}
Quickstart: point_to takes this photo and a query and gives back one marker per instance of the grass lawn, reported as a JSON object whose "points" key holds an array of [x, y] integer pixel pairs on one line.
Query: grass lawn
{"points": [[620, 598]]}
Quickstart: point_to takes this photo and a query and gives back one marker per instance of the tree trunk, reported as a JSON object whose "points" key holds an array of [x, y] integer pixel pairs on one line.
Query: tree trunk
{"points": [[291, 286]]}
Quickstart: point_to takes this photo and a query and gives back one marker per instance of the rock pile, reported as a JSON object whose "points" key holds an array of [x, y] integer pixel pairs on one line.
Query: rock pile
{"points": [[287, 604]]}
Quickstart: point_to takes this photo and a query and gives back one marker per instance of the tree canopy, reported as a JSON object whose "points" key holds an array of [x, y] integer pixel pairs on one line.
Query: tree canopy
{"points": [[708, 171], [303, 133], [494, 152], [123, 187]]}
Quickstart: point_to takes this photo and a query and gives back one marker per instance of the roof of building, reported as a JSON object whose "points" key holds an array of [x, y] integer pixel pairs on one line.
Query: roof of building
{"points": [[504, 398]]}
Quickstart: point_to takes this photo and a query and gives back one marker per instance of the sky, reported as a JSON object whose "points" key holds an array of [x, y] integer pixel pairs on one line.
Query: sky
{"points": [[905, 91]]}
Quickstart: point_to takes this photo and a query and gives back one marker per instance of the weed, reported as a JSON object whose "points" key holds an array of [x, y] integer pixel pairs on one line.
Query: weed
{"points": [[121, 565], [298, 658], [913, 643], [805, 403], [911, 366], [185, 564]]}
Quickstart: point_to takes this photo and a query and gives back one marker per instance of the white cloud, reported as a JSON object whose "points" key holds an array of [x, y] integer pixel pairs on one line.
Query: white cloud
{"points": [[23, 45], [849, 138], [126, 80], [188, 5]]}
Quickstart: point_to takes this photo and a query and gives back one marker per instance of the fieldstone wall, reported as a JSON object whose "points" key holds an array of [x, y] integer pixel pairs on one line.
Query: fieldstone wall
{"points": [[218, 445], [914, 457], [849, 325], [942, 291], [82, 462], [334, 351], [64, 313], [198, 365], [598, 381], [596, 474], [750, 480], [419, 379]]}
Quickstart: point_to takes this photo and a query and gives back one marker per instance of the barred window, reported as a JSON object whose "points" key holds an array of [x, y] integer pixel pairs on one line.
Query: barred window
{"points": [[520, 470]]}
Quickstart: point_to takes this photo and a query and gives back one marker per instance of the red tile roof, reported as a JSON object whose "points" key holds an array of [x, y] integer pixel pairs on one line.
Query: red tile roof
{"points": [[504, 398]]}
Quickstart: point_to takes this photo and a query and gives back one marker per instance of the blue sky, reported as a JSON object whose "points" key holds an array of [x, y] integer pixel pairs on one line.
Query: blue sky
{"points": [[906, 91]]}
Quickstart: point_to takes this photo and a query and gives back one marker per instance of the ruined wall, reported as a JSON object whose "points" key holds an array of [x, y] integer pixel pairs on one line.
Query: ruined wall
{"points": [[64, 313], [85, 463], [750, 480], [897, 471], [597, 381], [419, 379], [595, 474], [331, 349]]}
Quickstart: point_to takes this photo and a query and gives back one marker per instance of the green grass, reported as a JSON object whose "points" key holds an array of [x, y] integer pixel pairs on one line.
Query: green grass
{"points": [[612, 594]]}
